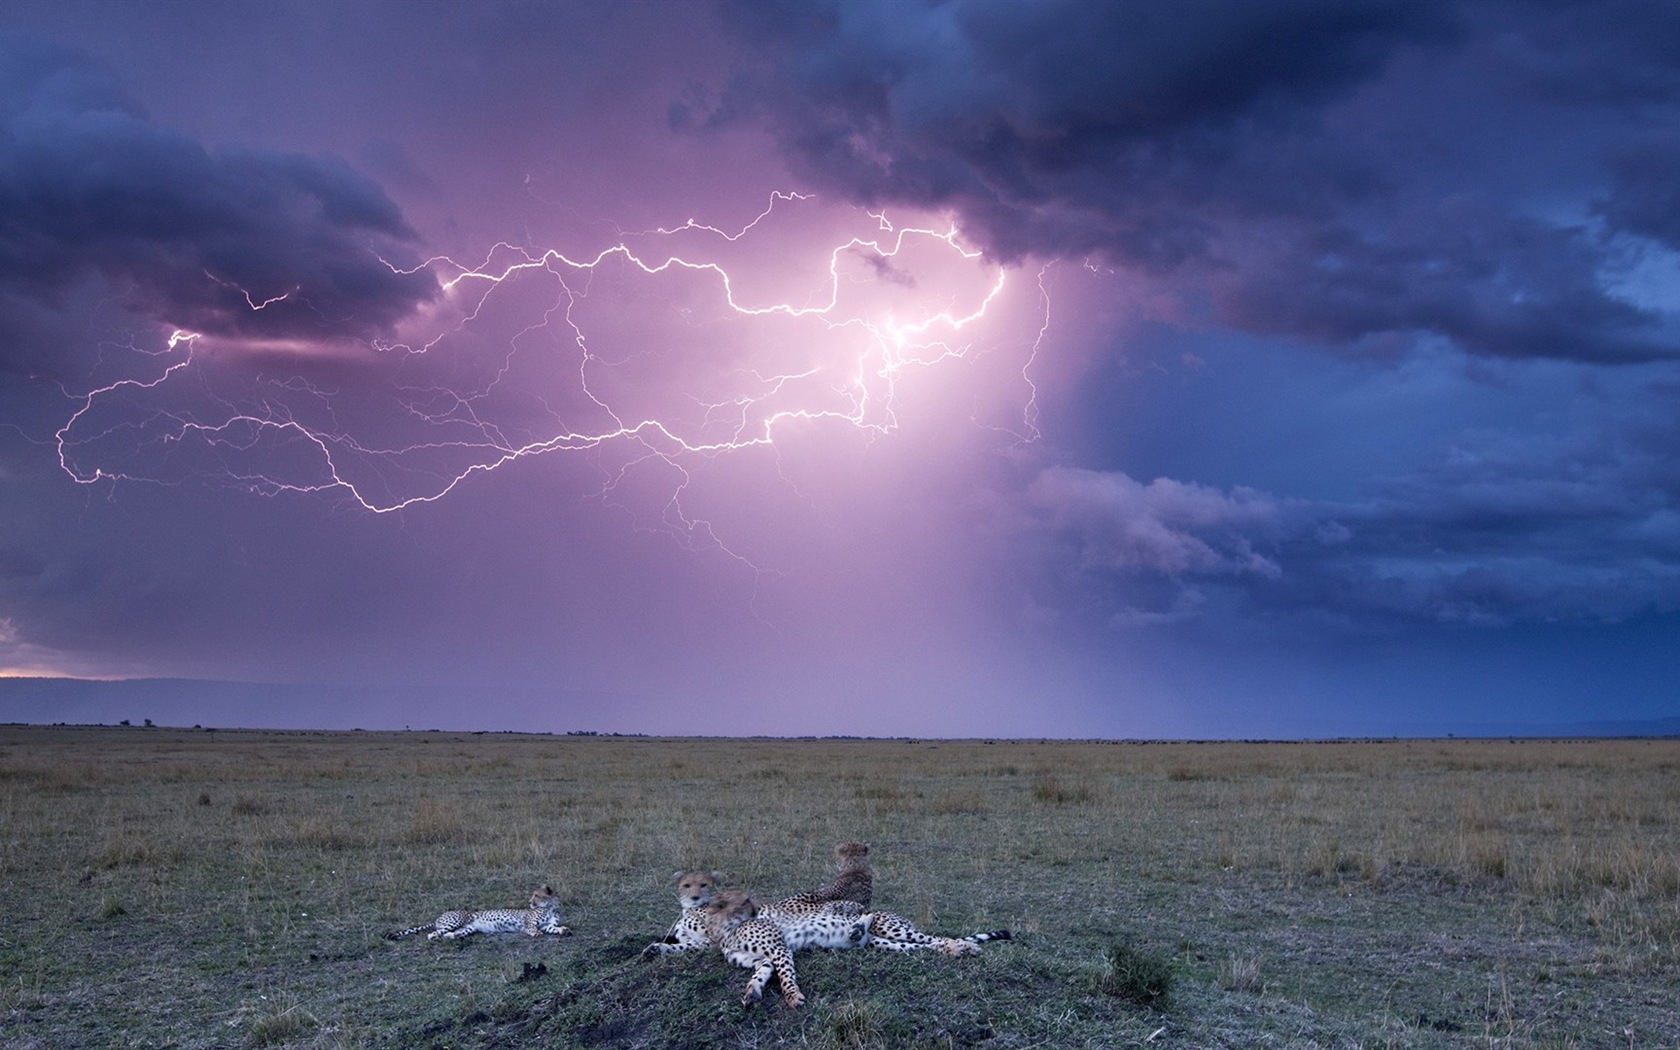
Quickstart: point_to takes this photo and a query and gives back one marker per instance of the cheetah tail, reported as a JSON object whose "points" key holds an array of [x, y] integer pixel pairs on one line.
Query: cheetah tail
{"points": [[397, 935], [993, 935]]}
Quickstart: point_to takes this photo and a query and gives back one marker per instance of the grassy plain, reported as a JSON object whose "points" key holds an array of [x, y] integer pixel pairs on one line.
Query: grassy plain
{"points": [[228, 888]]}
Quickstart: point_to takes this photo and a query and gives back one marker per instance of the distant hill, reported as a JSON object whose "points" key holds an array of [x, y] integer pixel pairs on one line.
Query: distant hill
{"points": [[1642, 727], [176, 702], [266, 705]]}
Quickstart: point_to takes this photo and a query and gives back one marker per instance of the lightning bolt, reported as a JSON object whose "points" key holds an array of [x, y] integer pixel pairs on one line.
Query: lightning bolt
{"points": [[669, 348]]}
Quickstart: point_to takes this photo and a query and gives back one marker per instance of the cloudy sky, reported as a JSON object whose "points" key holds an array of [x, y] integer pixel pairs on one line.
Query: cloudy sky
{"points": [[969, 368]]}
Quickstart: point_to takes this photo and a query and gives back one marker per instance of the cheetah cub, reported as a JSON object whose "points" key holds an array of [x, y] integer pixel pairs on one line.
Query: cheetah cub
{"points": [[731, 921], [543, 916], [688, 934], [850, 894], [855, 882]]}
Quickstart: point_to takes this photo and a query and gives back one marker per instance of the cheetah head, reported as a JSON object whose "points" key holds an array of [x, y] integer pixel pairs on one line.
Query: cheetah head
{"points": [[725, 910], [695, 888], [852, 855], [544, 895]]}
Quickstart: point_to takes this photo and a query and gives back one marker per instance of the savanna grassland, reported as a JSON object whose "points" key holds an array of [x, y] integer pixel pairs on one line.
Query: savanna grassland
{"points": [[229, 889]]}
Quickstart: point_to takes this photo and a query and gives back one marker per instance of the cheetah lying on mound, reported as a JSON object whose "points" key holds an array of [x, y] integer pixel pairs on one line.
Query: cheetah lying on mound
{"points": [[887, 931], [543, 916], [807, 922], [839, 925], [731, 920]]}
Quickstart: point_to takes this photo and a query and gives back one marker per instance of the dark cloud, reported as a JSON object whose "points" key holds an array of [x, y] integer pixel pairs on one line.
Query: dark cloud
{"points": [[1596, 53], [1211, 144], [1644, 197], [1057, 128], [1582, 526], [89, 188], [1166, 527], [1492, 282]]}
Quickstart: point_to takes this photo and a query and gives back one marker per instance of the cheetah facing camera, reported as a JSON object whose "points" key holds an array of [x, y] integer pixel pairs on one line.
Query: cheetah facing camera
{"points": [[543, 916], [731, 921], [688, 934]]}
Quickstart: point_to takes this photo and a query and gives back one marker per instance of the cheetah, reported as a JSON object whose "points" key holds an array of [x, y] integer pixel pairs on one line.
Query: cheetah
{"points": [[731, 920], [887, 931], [688, 933], [835, 924], [855, 882], [543, 916], [806, 925]]}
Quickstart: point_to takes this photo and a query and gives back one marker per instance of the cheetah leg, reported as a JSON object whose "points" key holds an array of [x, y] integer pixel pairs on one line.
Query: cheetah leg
{"points": [[922, 942], [790, 985], [755, 986], [895, 933]]}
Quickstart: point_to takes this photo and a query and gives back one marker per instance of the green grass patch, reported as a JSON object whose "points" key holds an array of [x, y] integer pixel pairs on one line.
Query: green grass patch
{"points": [[230, 889]]}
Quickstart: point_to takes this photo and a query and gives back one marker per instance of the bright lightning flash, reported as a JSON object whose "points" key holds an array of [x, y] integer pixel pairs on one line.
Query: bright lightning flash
{"points": [[659, 351]]}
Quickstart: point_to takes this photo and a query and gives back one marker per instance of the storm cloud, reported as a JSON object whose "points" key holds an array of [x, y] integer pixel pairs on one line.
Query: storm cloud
{"points": [[182, 234], [1261, 152], [1325, 381]]}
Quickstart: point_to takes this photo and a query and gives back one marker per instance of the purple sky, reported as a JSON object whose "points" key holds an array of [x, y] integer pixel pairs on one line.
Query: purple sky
{"points": [[962, 369]]}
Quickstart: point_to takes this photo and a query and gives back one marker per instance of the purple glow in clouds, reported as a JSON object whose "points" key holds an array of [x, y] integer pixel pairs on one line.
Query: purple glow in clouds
{"points": [[670, 346], [1201, 368]]}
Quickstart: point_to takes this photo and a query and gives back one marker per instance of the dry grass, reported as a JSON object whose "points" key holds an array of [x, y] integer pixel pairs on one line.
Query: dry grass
{"points": [[228, 888]]}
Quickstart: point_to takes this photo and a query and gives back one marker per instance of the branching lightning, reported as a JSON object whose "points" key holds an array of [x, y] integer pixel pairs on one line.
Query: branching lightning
{"points": [[673, 346]]}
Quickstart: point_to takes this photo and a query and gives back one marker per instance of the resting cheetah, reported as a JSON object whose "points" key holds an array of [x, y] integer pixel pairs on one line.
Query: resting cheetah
{"points": [[806, 924], [543, 916], [887, 931], [856, 882], [731, 920], [687, 934], [836, 924]]}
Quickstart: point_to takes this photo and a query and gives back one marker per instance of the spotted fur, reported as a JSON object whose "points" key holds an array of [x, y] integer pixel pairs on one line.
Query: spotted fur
{"points": [[834, 924], [831, 925], [895, 933], [543, 916], [731, 920]]}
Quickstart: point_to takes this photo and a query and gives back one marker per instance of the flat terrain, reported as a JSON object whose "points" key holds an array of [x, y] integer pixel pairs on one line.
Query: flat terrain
{"points": [[199, 888]]}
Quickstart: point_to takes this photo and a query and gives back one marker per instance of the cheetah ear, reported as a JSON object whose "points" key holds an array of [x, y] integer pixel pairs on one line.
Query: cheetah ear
{"points": [[718, 875], [676, 875]]}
